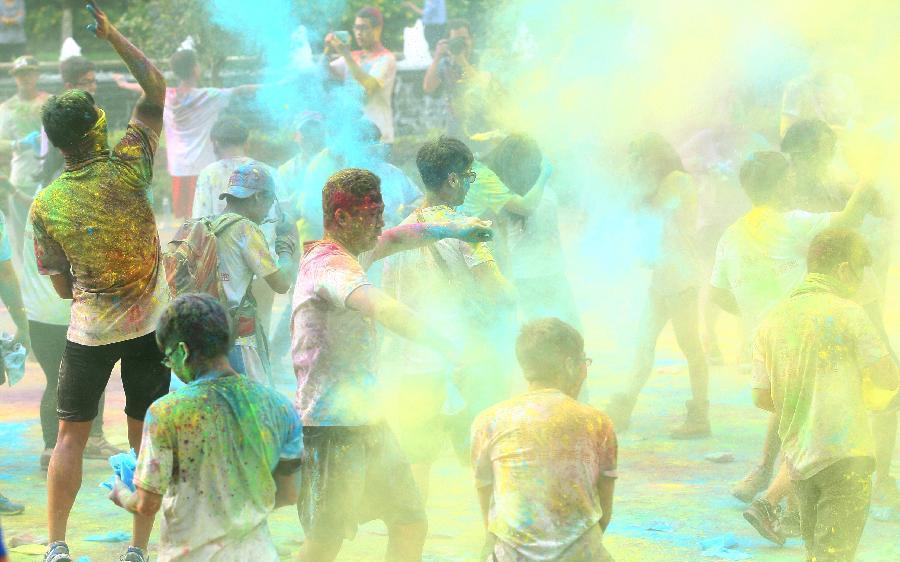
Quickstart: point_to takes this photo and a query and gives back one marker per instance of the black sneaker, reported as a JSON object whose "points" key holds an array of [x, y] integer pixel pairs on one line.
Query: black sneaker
{"points": [[9, 507], [134, 554], [57, 552], [763, 516]]}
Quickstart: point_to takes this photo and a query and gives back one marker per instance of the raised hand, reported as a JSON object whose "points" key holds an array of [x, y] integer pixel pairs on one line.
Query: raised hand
{"points": [[470, 230], [101, 25]]}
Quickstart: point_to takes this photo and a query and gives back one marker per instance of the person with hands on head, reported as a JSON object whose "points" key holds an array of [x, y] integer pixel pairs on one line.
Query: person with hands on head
{"points": [[221, 453], [111, 270], [353, 469], [372, 67]]}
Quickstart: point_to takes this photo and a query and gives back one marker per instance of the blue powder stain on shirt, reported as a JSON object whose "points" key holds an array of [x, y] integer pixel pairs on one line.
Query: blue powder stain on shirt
{"points": [[90, 230]]}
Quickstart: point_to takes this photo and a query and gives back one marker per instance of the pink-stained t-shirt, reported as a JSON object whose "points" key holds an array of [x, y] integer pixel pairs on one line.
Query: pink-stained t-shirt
{"points": [[333, 347], [188, 119]]}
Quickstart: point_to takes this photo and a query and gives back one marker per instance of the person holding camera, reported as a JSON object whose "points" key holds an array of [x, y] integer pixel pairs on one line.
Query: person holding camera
{"points": [[373, 67], [454, 77]]}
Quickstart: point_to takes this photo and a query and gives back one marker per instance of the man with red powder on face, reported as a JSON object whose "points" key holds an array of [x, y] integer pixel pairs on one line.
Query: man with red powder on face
{"points": [[353, 470]]}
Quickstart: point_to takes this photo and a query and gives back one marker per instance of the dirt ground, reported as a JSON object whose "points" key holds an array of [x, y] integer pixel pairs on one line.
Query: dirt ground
{"points": [[668, 497]]}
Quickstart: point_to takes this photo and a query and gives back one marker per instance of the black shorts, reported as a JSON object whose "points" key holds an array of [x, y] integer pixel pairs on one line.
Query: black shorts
{"points": [[351, 475], [85, 372]]}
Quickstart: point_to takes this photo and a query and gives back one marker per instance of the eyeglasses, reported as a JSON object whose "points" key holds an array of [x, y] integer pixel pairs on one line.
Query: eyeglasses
{"points": [[469, 176]]}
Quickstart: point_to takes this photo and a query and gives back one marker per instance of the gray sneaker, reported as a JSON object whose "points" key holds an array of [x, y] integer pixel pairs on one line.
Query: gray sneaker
{"points": [[134, 554], [57, 552]]}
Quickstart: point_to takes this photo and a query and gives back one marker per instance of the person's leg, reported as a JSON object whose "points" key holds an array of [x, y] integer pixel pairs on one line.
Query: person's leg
{"points": [[842, 509], [64, 475], [653, 320], [684, 312], [83, 374], [759, 477], [406, 541], [763, 512], [884, 432], [808, 500], [332, 479], [391, 495], [49, 356], [144, 379]]}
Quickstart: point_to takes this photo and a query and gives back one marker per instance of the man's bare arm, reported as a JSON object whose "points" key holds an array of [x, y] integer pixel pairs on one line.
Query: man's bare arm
{"points": [[410, 236], [724, 299], [62, 284], [762, 399], [149, 108], [606, 488], [398, 318], [883, 374], [485, 493]]}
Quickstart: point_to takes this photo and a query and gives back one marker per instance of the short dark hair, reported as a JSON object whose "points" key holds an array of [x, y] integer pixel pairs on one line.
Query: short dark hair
{"points": [[67, 117], [761, 174], [314, 133], [183, 63], [802, 138], [834, 246], [198, 320], [368, 131], [437, 158], [348, 189], [517, 162], [543, 347], [459, 23], [229, 131], [73, 68], [654, 147], [372, 14]]}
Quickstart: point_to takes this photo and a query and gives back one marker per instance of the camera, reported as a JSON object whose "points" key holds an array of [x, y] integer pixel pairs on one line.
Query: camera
{"points": [[456, 45]]}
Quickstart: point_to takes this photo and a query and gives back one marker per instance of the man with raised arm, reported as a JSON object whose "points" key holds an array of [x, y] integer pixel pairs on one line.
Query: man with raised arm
{"points": [[353, 469], [95, 236]]}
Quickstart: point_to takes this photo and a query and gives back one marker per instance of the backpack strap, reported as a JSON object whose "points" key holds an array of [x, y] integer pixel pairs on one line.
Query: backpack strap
{"points": [[219, 225]]}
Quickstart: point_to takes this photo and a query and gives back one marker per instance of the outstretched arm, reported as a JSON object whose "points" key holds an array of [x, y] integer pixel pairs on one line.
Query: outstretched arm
{"points": [[411, 236], [149, 109]]}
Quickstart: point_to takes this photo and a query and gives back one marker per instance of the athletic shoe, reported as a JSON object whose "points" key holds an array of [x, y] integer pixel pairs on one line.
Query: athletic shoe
{"points": [[99, 448], [788, 524], [134, 554], [45, 459], [696, 422], [752, 484], [9, 507], [57, 552], [763, 516]]}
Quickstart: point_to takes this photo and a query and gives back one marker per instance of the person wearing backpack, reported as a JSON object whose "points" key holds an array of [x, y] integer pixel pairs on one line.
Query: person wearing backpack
{"points": [[243, 253]]}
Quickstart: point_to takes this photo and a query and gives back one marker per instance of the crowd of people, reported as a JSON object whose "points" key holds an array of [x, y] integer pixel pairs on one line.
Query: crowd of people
{"points": [[409, 311]]}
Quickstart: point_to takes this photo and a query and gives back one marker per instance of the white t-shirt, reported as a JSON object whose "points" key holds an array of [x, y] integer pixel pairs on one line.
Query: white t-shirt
{"points": [[334, 348], [188, 118], [535, 249], [418, 280], [761, 258], [209, 449], [243, 253], [382, 66], [42, 304]]}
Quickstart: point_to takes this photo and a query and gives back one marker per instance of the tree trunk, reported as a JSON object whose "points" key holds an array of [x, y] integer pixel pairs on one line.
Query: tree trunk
{"points": [[66, 28]]}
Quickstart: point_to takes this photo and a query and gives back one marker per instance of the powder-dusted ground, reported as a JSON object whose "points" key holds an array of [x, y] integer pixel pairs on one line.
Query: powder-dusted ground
{"points": [[663, 484]]}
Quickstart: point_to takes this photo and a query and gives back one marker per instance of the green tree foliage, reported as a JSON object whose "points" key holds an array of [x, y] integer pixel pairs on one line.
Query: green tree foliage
{"points": [[159, 26]]}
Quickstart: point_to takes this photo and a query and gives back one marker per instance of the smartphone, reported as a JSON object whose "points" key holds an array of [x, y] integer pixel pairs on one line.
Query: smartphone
{"points": [[344, 36]]}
